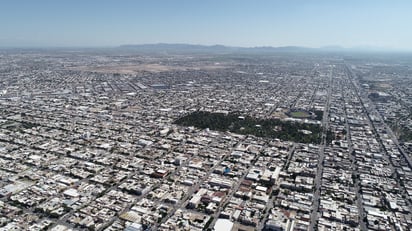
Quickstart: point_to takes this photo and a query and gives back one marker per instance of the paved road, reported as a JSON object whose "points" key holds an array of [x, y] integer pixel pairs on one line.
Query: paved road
{"points": [[290, 155], [368, 111], [232, 191], [359, 203], [318, 178]]}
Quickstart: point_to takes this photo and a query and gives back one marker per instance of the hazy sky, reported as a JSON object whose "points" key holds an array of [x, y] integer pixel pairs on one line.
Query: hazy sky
{"points": [[312, 23]]}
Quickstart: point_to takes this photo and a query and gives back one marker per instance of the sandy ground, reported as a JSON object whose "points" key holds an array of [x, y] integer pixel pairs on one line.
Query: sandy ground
{"points": [[133, 69]]}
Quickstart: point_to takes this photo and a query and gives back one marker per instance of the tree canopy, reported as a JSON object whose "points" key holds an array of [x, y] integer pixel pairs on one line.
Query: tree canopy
{"points": [[270, 128]]}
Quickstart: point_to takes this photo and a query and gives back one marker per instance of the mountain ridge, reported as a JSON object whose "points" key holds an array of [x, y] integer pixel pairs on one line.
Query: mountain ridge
{"points": [[185, 47], [217, 48]]}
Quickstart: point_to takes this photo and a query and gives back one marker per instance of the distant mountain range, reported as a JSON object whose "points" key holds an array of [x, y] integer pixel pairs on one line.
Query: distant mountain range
{"points": [[184, 48], [192, 48]]}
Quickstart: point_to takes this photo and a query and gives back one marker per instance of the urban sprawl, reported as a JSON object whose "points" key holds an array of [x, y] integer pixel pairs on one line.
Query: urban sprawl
{"points": [[89, 141]]}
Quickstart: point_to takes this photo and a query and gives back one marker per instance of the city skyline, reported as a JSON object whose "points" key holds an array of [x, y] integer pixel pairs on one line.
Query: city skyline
{"points": [[350, 24]]}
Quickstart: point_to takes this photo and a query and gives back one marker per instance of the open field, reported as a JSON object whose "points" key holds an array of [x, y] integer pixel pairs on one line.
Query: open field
{"points": [[136, 68], [299, 114]]}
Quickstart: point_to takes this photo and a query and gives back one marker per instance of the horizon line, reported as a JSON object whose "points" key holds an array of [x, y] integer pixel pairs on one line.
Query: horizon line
{"points": [[364, 48]]}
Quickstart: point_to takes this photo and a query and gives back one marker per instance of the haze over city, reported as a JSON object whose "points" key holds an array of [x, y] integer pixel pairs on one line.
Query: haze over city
{"points": [[95, 23]]}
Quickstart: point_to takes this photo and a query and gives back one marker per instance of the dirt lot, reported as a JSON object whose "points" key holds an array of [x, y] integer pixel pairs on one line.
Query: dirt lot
{"points": [[133, 69]]}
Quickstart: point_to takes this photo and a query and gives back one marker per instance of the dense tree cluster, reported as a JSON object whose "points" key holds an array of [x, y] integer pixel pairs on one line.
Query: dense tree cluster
{"points": [[318, 115], [271, 128]]}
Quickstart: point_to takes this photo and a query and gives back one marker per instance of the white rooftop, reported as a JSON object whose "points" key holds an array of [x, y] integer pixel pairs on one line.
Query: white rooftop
{"points": [[223, 225]]}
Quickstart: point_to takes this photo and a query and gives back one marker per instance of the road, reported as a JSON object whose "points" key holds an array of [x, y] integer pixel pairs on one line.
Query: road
{"points": [[354, 168], [368, 110], [232, 191], [318, 179]]}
